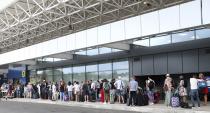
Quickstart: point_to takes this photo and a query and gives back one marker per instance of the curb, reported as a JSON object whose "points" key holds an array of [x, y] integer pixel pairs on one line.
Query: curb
{"points": [[142, 109]]}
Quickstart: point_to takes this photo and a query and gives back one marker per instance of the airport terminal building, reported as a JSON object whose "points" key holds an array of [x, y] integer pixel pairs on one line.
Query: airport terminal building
{"points": [[77, 40]]}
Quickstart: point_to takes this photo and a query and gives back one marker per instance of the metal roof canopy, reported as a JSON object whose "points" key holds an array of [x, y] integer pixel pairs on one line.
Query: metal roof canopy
{"points": [[28, 22]]}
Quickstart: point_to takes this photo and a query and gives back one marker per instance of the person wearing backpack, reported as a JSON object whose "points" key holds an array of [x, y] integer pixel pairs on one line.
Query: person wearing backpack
{"points": [[106, 88]]}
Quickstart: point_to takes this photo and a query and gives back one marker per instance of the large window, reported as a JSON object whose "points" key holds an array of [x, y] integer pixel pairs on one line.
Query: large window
{"points": [[184, 36], [203, 33], [92, 72], [49, 75], [105, 71], [121, 68], [79, 73], [33, 76], [143, 42], [92, 52], [58, 73], [160, 40], [67, 74], [104, 50], [40, 74]]}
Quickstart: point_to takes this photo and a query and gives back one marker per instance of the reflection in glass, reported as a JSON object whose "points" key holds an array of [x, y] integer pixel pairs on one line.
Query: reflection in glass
{"points": [[79, 73], [40, 74], [104, 50], [181, 37], [160, 40], [92, 52], [116, 50], [143, 42], [67, 74], [105, 67], [91, 68], [203, 33], [123, 73], [82, 52], [92, 76], [120, 65], [105, 75], [58, 73], [33, 76], [49, 75]]}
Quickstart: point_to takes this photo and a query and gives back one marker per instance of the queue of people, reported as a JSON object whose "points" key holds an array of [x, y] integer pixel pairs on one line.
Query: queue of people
{"points": [[177, 95], [116, 91]]}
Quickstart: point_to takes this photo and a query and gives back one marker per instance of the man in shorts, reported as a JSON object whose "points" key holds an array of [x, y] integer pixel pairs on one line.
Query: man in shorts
{"points": [[119, 84]]}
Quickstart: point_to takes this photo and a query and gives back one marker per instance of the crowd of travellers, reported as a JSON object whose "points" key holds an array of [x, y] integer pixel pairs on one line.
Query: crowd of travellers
{"points": [[116, 91]]}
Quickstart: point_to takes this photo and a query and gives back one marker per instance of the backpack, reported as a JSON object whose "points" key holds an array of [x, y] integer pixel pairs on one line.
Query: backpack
{"points": [[151, 85], [106, 86], [185, 83]]}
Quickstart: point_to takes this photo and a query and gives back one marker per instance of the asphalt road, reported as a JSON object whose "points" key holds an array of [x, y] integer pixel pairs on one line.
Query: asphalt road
{"points": [[17, 107]]}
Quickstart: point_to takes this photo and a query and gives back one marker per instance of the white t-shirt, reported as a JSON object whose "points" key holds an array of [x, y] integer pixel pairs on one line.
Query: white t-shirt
{"points": [[93, 85], [193, 83], [76, 87], [70, 88], [53, 88], [119, 84]]}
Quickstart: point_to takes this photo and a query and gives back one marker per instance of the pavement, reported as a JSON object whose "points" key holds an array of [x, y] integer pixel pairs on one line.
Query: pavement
{"points": [[156, 108]]}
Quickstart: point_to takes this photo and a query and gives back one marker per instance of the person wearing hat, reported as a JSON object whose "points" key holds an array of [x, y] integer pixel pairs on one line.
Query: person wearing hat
{"points": [[168, 89]]}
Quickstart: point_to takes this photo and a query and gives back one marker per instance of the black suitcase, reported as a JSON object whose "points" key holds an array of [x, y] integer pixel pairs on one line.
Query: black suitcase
{"points": [[146, 99], [140, 99], [81, 98]]}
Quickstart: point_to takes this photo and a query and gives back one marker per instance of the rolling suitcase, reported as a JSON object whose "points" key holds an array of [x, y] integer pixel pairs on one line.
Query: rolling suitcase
{"points": [[175, 101], [140, 99], [145, 99]]}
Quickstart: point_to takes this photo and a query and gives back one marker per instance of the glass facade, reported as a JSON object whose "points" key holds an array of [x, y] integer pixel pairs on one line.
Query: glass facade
{"points": [[164, 20], [184, 36], [95, 71], [67, 74], [79, 73], [203, 33], [92, 72], [121, 68], [49, 75], [33, 76], [58, 74], [160, 40]]}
